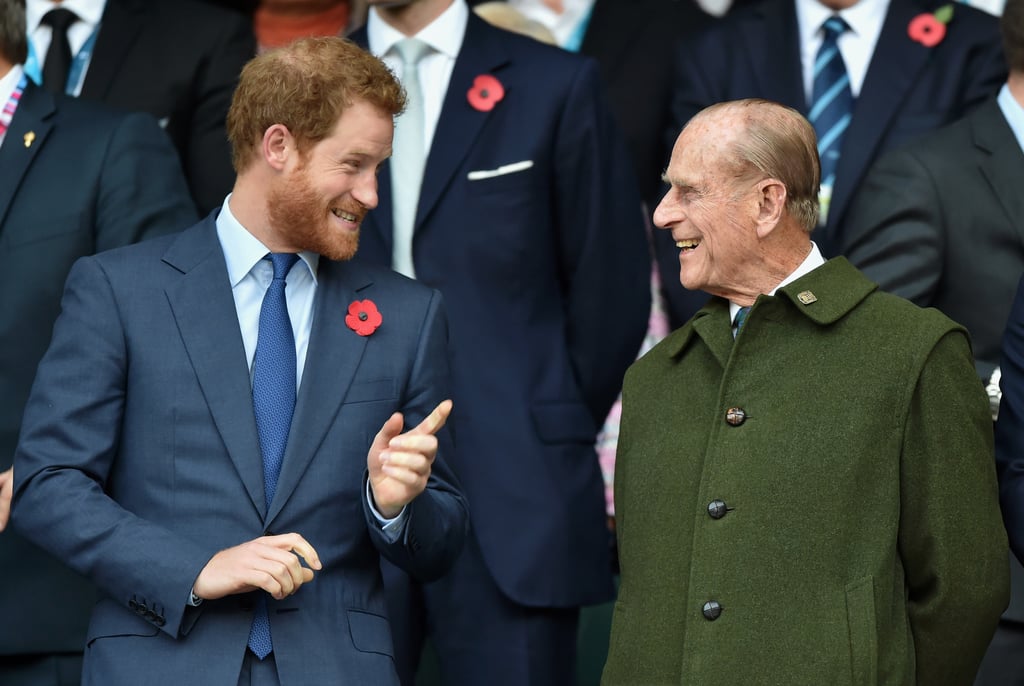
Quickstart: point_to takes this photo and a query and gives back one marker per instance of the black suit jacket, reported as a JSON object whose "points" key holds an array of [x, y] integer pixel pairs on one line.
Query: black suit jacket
{"points": [[909, 89], [633, 42], [179, 60], [90, 179]]}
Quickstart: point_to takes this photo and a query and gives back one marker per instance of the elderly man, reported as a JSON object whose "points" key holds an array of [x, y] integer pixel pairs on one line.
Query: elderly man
{"points": [[805, 489]]}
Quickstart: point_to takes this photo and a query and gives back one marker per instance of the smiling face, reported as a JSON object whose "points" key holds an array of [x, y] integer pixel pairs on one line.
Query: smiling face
{"points": [[323, 193], [711, 211]]}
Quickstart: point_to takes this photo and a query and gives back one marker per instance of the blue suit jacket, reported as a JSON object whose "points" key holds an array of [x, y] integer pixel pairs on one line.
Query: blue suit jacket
{"points": [[139, 460], [546, 275], [91, 179], [909, 89]]}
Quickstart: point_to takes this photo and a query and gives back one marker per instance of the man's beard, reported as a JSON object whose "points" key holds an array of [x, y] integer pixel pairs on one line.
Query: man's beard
{"points": [[300, 216]]}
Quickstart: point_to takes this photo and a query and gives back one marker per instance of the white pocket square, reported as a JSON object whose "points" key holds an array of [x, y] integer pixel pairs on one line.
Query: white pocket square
{"points": [[500, 171]]}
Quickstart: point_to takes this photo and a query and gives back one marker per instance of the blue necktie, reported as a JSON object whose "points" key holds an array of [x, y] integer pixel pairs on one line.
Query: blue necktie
{"points": [[273, 400], [831, 99], [741, 316]]}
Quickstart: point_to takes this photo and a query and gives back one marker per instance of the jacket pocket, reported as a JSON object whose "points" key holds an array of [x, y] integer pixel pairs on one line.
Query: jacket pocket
{"points": [[370, 633], [860, 618]]}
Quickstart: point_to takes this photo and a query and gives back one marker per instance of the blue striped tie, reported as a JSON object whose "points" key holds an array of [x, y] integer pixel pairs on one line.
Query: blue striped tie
{"points": [[831, 99], [273, 400]]}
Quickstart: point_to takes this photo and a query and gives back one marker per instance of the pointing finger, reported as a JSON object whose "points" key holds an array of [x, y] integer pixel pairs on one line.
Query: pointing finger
{"points": [[435, 420]]}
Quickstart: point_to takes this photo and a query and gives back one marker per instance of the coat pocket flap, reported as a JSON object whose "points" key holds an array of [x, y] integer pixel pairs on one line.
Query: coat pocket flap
{"points": [[370, 633]]}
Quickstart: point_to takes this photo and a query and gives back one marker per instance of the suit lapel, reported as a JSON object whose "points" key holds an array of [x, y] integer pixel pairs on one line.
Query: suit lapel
{"points": [[1003, 163], [894, 67], [332, 358], [771, 29], [120, 27], [204, 310], [34, 116], [459, 124]]}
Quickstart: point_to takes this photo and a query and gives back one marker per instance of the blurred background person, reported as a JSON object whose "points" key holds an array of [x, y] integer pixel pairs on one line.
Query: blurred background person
{"points": [[511, 191], [77, 178], [178, 60]]}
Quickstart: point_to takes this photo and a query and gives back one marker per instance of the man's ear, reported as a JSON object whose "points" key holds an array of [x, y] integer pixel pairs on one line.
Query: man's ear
{"points": [[771, 205], [278, 145]]}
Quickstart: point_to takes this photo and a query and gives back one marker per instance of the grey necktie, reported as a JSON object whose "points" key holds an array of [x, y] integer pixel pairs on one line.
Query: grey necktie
{"points": [[408, 157]]}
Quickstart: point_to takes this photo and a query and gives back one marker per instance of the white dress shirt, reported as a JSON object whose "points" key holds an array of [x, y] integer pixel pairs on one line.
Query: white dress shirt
{"points": [[857, 45], [813, 260], [89, 14]]}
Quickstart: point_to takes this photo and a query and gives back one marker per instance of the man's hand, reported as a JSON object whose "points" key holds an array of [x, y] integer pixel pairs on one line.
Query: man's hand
{"points": [[400, 463], [270, 563], [6, 493]]}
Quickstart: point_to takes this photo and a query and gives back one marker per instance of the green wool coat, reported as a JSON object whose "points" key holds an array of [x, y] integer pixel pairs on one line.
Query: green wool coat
{"points": [[861, 541]]}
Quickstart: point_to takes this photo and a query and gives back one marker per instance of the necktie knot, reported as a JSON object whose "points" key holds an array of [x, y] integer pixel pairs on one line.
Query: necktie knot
{"points": [[59, 19], [834, 27], [411, 51], [283, 263]]}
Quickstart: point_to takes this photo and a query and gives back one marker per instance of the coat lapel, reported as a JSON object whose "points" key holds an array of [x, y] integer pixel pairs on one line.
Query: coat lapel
{"points": [[1003, 164], [332, 359], [204, 310], [893, 69], [34, 116], [120, 27], [771, 29]]}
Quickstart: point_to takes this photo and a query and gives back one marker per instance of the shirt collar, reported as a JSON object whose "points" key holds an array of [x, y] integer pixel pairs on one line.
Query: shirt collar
{"points": [[8, 82], [1011, 109], [865, 18], [243, 251], [443, 35], [813, 260], [88, 11]]}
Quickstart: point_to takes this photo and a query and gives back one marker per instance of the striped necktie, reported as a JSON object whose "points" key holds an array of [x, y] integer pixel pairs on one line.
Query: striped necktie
{"points": [[831, 99]]}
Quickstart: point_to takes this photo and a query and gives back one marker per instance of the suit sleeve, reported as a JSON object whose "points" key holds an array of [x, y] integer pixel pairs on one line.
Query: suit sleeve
{"points": [[438, 519], [604, 259], [951, 540], [142, 190], [207, 155], [1010, 427], [69, 442], [896, 231]]}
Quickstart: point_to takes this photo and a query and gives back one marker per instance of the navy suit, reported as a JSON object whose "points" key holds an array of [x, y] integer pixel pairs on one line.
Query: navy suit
{"points": [[90, 179], [139, 460], [909, 89], [545, 272]]}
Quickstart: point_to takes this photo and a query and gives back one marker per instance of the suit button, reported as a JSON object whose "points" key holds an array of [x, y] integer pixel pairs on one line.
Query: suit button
{"points": [[712, 610], [133, 605], [717, 509], [735, 416], [160, 621]]}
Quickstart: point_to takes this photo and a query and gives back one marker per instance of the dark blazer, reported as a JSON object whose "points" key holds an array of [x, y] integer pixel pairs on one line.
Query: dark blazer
{"points": [[91, 179], [1010, 432], [139, 460], [909, 89], [941, 222], [545, 272], [633, 42], [179, 60]]}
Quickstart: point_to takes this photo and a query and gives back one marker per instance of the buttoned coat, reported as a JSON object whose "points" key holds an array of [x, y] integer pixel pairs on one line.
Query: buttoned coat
{"points": [[857, 538]]}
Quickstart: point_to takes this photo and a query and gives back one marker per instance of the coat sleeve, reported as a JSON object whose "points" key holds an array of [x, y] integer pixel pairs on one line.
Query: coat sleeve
{"points": [[438, 519], [1010, 427], [69, 442], [142, 190], [951, 538], [896, 231], [603, 254]]}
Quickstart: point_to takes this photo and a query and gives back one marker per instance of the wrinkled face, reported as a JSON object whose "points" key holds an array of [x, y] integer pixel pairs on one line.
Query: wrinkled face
{"points": [[711, 214], [323, 195]]}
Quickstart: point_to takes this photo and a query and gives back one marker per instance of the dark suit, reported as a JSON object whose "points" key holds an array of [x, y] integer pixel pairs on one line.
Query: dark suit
{"points": [[633, 41], [941, 222], [91, 179], [179, 60], [545, 272], [139, 460], [909, 89]]}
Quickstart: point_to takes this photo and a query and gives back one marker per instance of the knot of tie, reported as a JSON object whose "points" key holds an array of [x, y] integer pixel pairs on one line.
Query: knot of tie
{"points": [[59, 19], [283, 263], [834, 27], [411, 51]]}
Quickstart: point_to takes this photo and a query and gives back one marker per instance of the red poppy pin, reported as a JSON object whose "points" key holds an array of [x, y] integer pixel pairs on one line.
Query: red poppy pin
{"points": [[363, 317], [930, 29], [485, 93]]}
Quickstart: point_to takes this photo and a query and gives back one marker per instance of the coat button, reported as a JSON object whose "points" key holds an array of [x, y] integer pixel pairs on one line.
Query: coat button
{"points": [[735, 416], [712, 610], [717, 509]]}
